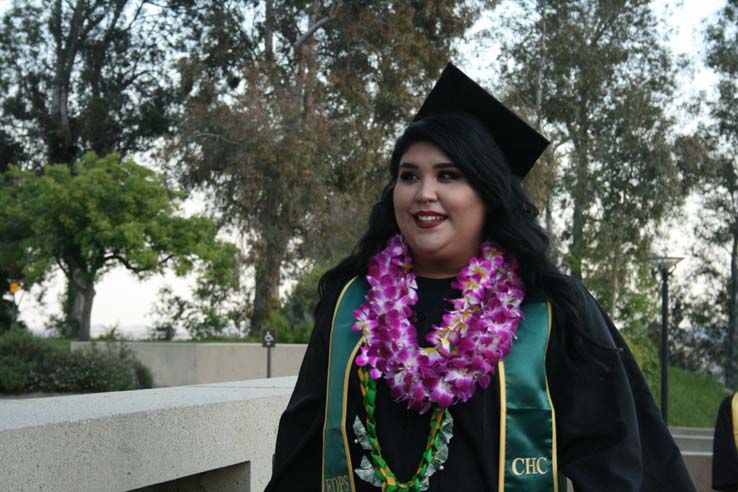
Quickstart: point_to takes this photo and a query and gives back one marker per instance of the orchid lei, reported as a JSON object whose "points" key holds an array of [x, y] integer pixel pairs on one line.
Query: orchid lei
{"points": [[473, 337]]}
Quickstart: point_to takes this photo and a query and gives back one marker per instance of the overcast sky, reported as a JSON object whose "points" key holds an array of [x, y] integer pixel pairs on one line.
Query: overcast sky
{"points": [[124, 301]]}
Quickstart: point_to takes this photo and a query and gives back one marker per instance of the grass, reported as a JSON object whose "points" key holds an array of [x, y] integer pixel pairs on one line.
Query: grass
{"points": [[694, 398], [219, 340], [59, 343]]}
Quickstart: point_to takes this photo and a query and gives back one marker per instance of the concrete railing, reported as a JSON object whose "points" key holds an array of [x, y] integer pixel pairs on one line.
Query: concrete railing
{"points": [[210, 437], [214, 437], [696, 446], [178, 364]]}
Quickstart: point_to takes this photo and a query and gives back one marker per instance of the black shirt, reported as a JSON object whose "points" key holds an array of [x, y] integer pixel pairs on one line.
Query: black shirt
{"points": [[610, 435]]}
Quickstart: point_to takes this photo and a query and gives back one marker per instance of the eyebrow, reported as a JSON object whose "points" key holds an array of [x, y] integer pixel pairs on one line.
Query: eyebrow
{"points": [[440, 165]]}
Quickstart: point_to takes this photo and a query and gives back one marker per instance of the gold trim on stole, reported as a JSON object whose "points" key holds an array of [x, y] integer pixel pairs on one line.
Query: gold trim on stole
{"points": [[345, 392], [554, 457], [734, 412], [503, 425], [503, 418], [343, 418]]}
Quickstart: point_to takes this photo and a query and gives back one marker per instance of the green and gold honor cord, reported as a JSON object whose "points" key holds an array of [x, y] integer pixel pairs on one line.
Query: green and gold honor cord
{"points": [[382, 470]]}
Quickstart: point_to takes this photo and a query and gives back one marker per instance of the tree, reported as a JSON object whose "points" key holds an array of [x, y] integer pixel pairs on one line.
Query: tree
{"points": [[83, 75], [718, 230], [99, 213], [288, 118], [598, 75], [78, 76]]}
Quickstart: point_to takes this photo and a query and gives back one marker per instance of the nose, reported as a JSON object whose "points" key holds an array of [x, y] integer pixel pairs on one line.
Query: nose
{"points": [[426, 191]]}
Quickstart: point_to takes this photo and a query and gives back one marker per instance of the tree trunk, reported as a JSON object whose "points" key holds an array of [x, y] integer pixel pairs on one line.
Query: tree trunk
{"points": [[539, 75], [311, 68], [269, 31], [730, 368], [266, 290], [614, 286], [579, 133], [84, 295], [579, 202], [59, 137]]}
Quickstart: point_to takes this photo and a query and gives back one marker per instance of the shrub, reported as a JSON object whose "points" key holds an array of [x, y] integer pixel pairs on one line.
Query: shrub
{"points": [[29, 363], [24, 344], [14, 373]]}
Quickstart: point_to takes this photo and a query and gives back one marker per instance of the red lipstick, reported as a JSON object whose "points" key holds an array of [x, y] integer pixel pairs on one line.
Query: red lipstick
{"points": [[428, 220]]}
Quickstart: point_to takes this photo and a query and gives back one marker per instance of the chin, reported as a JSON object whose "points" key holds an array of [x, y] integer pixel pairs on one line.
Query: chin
{"points": [[434, 256], [428, 250]]}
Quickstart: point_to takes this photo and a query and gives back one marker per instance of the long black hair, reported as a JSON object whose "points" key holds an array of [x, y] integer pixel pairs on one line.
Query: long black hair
{"points": [[511, 217]]}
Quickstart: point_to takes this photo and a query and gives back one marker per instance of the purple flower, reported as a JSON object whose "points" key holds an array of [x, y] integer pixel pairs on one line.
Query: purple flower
{"points": [[442, 393], [472, 338]]}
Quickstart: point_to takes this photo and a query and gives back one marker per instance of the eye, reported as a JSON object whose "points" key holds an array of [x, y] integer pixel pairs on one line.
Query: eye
{"points": [[407, 176], [450, 175]]}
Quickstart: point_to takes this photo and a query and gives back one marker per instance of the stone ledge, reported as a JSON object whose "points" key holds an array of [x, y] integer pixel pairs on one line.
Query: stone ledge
{"points": [[127, 440], [215, 434]]}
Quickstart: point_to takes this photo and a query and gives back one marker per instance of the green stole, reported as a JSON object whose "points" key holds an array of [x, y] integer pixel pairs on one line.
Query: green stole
{"points": [[527, 422]]}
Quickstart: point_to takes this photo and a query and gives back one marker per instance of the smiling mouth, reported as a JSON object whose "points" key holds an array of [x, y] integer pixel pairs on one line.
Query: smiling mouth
{"points": [[425, 220]]}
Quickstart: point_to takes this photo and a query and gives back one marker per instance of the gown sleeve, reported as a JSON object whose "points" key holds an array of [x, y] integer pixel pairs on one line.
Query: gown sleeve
{"points": [[298, 454], [610, 433], [724, 453]]}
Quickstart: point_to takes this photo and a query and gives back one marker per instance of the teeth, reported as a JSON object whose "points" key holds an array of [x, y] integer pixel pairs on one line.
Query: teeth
{"points": [[429, 218]]}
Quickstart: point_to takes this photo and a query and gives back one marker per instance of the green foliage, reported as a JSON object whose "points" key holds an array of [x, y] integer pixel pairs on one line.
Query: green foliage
{"points": [[646, 355], [694, 397], [9, 314], [82, 76], [286, 331], [296, 312], [599, 75], [24, 344], [113, 368], [718, 220], [291, 125], [216, 309], [29, 363], [299, 306], [102, 212], [15, 373], [63, 325], [77, 76]]}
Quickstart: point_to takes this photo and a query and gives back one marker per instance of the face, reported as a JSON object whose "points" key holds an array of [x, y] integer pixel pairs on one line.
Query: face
{"points": [[440, 215]]}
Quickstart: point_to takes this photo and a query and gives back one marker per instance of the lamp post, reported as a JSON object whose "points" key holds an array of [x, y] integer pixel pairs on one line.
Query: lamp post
{"points": [[665, 265]]}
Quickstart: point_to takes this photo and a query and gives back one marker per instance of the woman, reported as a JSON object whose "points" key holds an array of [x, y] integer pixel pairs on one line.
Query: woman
{"points": [[449, 354]]}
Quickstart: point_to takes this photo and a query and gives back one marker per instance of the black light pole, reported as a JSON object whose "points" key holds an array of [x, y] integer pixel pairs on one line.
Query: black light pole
{"points": [[666, 265]]}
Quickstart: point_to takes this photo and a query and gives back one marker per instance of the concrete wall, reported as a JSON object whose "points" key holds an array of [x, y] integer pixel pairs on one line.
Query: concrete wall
{"points": [[215, 437], [179, 364]]}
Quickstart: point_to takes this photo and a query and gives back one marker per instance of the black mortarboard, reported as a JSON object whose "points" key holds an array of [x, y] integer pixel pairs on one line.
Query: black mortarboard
{"points": [[455, 92]]}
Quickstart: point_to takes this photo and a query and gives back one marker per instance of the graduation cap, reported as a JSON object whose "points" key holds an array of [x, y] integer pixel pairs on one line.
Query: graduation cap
{"points": [[455, 92]]}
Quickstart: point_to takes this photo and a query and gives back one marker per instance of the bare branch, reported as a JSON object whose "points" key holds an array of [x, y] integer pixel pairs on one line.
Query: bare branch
{"points": [[311, 30], [125, 262], [215, 136], [131, 267]]}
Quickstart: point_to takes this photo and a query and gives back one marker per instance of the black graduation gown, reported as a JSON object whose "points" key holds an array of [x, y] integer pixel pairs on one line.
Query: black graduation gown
{"points": [[610, 434], [724, 453]]}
